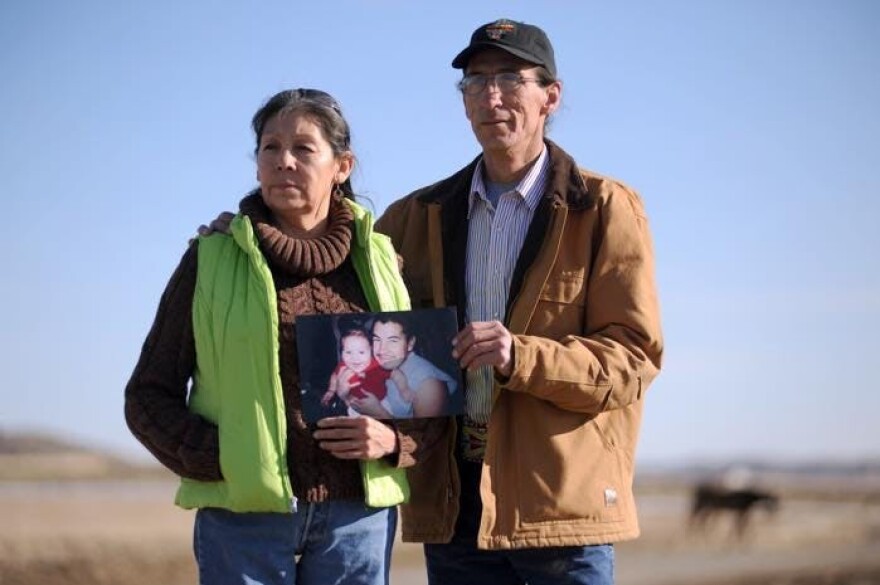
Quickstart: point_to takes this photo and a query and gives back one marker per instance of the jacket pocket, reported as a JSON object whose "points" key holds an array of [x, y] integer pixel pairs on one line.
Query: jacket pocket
{"points": [[577, 477], [560, 307], [566, 287]]}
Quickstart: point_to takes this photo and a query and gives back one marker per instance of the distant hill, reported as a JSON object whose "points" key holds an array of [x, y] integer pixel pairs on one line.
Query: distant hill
{"points": [[34, 443], [821, 479], [47, 457], [39, 456]]}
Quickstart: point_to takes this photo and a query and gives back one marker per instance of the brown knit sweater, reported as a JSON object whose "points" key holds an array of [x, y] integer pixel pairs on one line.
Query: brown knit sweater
{"points": [[312, 276]]}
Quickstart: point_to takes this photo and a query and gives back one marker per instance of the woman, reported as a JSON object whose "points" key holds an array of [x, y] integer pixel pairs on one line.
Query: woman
{"points": [[266, 487]]}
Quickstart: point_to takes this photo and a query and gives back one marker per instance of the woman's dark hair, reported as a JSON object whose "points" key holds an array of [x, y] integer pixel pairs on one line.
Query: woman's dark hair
{"points": [[321, 107]]}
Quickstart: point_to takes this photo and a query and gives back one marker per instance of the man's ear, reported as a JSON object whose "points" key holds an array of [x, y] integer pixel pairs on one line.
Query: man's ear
{"points": [[554, 98], [410, 344]]}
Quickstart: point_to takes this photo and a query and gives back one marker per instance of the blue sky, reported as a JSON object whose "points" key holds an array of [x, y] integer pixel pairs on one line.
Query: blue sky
{"points": [[750, 128]]}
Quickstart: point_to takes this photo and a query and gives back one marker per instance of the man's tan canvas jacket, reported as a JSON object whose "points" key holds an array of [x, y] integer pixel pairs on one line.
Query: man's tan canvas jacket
{"points": [[584, 315]]}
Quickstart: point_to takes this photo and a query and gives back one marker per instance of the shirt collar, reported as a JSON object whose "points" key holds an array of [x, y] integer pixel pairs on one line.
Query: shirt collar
{"points": [[530, 188]]}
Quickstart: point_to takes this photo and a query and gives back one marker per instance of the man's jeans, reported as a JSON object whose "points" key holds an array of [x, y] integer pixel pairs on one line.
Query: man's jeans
{"points": [[321, 543], [462, 563]]}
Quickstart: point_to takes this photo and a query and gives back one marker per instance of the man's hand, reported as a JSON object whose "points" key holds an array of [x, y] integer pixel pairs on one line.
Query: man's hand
{"points": [[219, 225], [484, 343], [358, 437]]}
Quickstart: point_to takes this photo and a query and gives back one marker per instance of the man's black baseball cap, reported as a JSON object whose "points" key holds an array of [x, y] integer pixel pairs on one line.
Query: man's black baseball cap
{"points": [[522, 40]]}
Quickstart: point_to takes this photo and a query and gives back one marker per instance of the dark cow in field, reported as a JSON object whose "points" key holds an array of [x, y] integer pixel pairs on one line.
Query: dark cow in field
{"points": [[712, 500]]}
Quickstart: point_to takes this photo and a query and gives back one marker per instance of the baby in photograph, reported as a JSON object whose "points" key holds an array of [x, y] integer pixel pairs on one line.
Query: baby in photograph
{"points": [[358, 372]]}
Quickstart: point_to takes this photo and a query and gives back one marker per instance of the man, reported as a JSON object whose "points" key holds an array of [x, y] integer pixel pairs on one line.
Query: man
{"points": [[551, 268], [416, 387]]}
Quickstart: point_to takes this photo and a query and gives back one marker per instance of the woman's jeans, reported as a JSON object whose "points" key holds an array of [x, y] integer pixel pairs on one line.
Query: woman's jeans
{"points": [[317, 544]]}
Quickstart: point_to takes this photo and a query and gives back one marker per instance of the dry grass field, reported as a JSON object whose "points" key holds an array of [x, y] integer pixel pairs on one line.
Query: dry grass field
{"points": [[94, 527]]}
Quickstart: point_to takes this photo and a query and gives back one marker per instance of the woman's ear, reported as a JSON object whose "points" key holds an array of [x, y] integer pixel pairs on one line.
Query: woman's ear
{"points": [[346, 166]]}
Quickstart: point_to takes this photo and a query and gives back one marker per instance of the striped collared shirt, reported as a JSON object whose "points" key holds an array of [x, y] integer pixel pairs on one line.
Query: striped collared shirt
{"points": [[495, 238]]}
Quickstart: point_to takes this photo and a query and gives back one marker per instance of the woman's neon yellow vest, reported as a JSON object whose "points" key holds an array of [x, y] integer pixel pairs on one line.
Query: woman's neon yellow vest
{"points": [[237, 384]]}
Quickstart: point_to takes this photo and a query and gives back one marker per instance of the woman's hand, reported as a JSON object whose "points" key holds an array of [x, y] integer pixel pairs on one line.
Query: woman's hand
{"points": [[357, 437]]}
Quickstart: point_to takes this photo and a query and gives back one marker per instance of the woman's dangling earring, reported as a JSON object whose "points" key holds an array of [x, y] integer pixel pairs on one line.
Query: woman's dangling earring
{"points": [[337, 191]]}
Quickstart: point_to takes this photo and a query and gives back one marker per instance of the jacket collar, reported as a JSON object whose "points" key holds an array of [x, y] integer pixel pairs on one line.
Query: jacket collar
{"points": [[565, 184]]}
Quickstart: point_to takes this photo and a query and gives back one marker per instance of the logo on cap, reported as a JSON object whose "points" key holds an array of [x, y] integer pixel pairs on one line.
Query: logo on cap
{"points": [[499, 28]]}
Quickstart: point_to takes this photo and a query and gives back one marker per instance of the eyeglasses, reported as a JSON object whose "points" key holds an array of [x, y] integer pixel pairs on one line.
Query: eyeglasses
{"points": [[506, 82]]}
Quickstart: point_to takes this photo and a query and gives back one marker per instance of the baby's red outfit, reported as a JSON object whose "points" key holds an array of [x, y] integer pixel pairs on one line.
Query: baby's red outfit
{"points": [[371, 380]]}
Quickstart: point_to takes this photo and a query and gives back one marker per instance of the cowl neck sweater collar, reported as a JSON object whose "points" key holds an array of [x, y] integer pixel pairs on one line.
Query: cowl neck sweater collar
{"points": [[304, 257]]}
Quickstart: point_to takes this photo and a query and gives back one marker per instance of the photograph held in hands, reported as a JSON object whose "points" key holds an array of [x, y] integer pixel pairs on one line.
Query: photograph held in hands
{"points": [[388, 365]]}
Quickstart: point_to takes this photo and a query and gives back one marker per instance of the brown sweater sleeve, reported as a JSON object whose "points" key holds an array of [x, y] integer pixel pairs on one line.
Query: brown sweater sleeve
{"points": [[156, 396]]}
